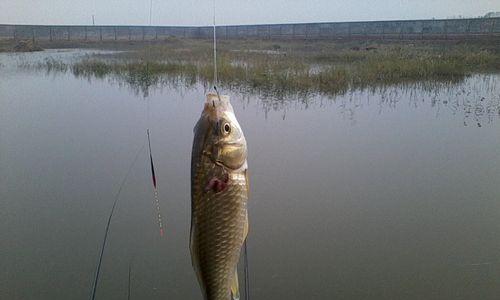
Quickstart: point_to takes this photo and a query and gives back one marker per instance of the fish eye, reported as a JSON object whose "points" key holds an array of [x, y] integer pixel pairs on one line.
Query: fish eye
{"points": [[226, 128]]}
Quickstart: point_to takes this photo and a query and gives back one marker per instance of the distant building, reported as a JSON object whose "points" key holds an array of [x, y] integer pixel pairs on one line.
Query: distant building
{"points": [[492, 15]]}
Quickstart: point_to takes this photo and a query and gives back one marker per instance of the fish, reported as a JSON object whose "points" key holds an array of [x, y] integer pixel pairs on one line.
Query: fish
{"points": [[219, 195]]}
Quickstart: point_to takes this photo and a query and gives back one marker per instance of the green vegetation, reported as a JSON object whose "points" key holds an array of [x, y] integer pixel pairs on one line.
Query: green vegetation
{"points": [[328, 67]]}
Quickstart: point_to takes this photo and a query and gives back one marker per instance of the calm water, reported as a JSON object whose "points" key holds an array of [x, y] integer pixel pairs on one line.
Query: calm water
{"points": [[385, 194]]}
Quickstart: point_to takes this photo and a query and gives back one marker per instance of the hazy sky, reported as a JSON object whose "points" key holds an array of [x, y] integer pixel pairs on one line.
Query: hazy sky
{"points": [[199, 12]]}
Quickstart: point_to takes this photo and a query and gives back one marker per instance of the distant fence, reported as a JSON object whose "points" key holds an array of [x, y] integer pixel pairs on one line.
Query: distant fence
{"points": [[404, 30]]}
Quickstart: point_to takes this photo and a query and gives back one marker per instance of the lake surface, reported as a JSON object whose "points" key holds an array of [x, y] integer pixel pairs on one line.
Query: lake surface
{"points": [[388, 193]]}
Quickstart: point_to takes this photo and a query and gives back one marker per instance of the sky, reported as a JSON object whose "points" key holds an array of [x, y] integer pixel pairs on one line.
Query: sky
{"points": [[200, 12]]}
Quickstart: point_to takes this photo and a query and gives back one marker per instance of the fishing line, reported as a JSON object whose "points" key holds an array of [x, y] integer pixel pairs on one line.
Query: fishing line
{"points": [[215, 53], [216, 80], [117, 196]]}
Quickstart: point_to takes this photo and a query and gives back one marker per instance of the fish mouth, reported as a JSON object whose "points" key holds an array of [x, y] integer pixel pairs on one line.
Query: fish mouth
{"points": [[215, 98], [216, 105]]}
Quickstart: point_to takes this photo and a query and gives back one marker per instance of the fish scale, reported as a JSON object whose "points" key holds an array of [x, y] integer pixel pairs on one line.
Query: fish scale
{"points": [[219, 194], [220, 220]]}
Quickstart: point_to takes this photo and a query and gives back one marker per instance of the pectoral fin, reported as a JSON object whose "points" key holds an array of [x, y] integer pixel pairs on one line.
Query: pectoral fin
{"points": [[235, 290]]}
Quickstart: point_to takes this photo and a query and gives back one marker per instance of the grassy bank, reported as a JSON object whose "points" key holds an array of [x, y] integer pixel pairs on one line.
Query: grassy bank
{"points": [[293, 66]]}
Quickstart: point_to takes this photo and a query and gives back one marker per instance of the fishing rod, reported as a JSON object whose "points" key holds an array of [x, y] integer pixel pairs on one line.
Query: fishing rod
{"points": [[117, 196]]}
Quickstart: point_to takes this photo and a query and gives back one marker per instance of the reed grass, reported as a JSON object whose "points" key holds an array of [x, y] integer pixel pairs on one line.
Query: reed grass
{"points": [[294, 66]]}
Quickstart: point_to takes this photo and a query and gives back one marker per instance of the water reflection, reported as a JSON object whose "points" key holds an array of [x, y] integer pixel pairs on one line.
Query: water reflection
{"points": [[475, 98]]}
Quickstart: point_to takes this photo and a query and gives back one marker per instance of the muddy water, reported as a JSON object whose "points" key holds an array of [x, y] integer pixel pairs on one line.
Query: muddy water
{"points": [[388, 193]]}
